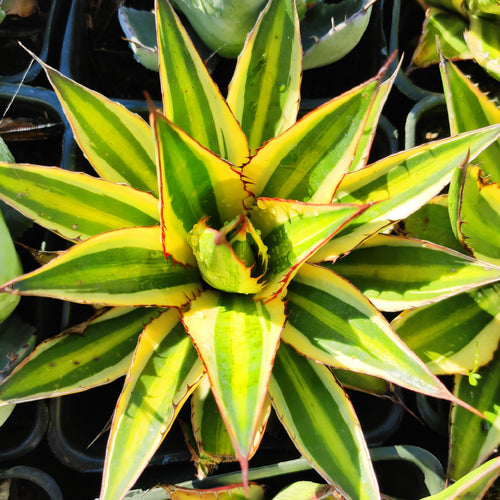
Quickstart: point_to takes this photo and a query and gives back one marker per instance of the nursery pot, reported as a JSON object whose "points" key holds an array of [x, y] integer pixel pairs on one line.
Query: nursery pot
{"points": [[38, 33]]}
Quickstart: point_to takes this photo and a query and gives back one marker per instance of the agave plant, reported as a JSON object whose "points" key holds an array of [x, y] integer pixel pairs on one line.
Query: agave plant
{"points": [[211, 238], [466, 29], [329, 31]]}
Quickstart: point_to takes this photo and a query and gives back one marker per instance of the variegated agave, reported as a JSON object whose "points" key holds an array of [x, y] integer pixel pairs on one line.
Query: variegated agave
{"points": [[212, 235], [466, 29]]}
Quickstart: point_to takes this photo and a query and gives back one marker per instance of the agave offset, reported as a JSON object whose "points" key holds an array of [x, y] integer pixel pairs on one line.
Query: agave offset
{"points": [[206, 236]]}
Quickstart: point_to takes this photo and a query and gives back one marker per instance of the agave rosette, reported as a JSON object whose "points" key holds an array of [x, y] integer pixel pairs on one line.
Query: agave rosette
{"points": [[205, 236]]}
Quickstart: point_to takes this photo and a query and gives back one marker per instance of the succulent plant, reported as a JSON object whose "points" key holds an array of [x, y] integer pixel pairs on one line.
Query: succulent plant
{"points": [[466, 29], [329, 31], [209, 246]]}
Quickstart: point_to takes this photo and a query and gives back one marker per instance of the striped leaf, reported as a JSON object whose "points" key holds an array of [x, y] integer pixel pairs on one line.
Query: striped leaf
{"points": [[454, 335], [470, 109], [194, 184], [164, 372], [398, 273], [476, 214], [432, 223], [484, 44], [292, 232], [237, 339], [332, 322], [449, 28], [10, 267], [472, 486], [125, 267], [307, 162], [370, 127], [117, 143], [361, 382], [321, 422], [473, 439], [213, 441], [400, 184], [88, 355], [80, 205], [265, 90], [191, 99]]}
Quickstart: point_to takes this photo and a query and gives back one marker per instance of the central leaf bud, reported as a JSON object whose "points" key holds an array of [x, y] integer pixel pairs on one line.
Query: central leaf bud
{"points": [[232, 259]]}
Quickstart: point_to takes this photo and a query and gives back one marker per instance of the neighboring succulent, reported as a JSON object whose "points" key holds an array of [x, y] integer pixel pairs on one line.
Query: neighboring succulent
{"points": [[466, 29], [212, 235], [329, 31]]}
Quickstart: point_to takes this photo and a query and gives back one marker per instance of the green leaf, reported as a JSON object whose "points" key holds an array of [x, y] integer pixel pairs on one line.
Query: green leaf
{"points": [[330, 31], [478, 215], [117, 143], [398, 273], [233, 259], [265, 90], [456, 334], [164, 372], [10, 267], [125, 267], [472, 486], [140, 30], [194, 184], [370, 127], [332, 322], [223, 26], [400, 184], [5, 154], [361, 382], [473, 439], [237, 339], [449, 28], [308, 161], [213, 442], [191, 99], [91, 354], [80, 205], [432, 223], [292, 232], [484, 43], [320, 420], [307, 490], [17, 340], [470, 109]]}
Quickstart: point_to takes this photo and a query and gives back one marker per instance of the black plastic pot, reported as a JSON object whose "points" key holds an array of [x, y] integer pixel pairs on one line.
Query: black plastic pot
{"points": [[23, 430], [30, 483], [95, 54], [45, 126], [37, 32], [79, 425]]}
